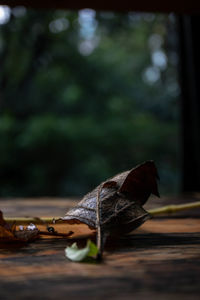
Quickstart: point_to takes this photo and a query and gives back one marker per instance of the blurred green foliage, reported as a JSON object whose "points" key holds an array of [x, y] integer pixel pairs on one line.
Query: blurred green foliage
{"points": [[83, 96]]}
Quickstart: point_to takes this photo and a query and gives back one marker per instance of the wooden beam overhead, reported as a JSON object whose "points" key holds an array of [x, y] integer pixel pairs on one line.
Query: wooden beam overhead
{"points": [[125, 5]]}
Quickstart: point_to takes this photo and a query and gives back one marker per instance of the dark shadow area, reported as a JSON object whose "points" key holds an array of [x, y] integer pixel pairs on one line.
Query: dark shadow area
{"points": [[152, 240]]}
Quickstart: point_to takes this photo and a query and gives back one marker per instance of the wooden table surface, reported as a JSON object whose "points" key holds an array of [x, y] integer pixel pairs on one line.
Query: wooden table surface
{"points": [[161, 260]]}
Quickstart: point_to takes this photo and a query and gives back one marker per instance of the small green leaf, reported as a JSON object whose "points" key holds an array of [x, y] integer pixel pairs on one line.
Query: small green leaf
{"points": [[76, 254], [93, 249]]}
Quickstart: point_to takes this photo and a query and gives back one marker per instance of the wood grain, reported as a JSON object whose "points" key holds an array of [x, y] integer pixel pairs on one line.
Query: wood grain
{"points": [[161, 259]]}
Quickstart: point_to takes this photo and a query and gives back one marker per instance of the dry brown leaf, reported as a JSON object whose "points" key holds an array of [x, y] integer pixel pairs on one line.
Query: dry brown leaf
{"points": [[121, 199], [8, 233]]}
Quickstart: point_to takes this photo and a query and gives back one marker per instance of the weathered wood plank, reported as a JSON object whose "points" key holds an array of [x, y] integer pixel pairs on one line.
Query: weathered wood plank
{"points": [[154, 264], [161, 259]]}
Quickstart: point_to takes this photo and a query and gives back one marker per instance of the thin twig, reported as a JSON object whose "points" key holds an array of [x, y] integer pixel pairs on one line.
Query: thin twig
{"points": [[56, 233], [169, 209], [28, 220]]}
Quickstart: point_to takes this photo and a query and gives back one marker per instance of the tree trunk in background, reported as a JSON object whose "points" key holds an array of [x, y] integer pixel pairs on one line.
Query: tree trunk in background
{"points": [[190, 89]]}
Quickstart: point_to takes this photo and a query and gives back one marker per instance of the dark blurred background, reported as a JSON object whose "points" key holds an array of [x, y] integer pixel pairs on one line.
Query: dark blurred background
{"points": [[85, 95]]}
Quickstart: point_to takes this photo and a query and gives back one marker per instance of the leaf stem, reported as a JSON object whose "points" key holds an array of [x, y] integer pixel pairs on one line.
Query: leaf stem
{"points": [[98, 223]]}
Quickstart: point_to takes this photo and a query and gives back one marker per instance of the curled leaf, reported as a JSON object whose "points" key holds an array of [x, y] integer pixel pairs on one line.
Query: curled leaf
{"points": [[75, 254], [121, 199], [115, 206]]}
